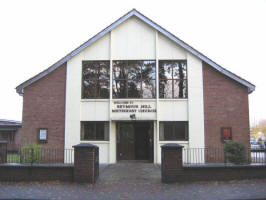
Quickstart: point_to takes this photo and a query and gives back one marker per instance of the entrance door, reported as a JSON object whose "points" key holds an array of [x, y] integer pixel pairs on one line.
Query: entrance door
{"points": [[125, 141], [135, 141], [141, 141]]}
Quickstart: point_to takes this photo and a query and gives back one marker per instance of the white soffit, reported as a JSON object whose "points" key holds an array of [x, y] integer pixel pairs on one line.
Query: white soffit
{"points": [[134, 12]]}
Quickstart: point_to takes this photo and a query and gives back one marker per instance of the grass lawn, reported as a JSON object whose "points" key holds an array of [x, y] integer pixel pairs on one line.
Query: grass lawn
{"points": [[13, 158]]}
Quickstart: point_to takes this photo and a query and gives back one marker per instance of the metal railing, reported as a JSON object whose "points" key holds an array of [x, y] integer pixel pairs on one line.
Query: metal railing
{"points": [[191, 156], [41, 156], [200, 156], [258, 156]]}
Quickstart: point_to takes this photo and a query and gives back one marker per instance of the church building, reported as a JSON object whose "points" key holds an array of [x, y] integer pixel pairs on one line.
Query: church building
{"points": [[131, 88]]}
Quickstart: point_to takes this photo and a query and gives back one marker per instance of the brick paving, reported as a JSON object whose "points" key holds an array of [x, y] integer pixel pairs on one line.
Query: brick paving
{"points": [[133, 181]]}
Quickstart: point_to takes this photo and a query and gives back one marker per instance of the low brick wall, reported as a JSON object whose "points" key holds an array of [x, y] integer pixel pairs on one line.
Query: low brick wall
{"points": [[173, 170], [38, 172], [220, 173], [85, 168]]}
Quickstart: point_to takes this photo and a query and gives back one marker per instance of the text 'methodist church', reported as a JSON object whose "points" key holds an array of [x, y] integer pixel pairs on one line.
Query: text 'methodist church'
{"points": [[130, 89]]}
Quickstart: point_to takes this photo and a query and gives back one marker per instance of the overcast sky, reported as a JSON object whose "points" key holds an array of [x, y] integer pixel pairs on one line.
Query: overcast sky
{"points": [[35, 34]]}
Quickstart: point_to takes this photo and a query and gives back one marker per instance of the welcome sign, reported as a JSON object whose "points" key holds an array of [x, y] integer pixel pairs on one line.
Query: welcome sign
{"points": [[144, 110]]}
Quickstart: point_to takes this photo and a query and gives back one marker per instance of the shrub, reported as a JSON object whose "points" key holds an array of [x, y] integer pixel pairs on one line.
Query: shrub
{"points": [[31, 153], [235, 152]]}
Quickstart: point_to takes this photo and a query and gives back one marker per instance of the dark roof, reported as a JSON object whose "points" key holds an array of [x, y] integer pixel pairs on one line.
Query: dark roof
{"points": [[9, 125], [6, 122], [137, 14]]}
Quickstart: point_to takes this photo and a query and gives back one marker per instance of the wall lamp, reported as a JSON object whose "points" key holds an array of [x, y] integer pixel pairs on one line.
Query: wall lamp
{"points": [[132, 116]]}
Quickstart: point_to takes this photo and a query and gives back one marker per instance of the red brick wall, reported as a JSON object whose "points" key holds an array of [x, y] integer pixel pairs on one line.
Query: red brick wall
{"points": [[44, 107], [220, 173], [225, 105], [36, 172]]}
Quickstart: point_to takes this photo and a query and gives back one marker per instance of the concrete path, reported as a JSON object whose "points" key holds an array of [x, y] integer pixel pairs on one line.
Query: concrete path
{"points": [[126, 172], [134, 181]]}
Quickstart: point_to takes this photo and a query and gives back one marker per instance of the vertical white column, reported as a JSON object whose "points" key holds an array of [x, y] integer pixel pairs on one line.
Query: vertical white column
{"points": [[156, 131], [73, 97], [112, 145], [112, 128], [195, 102]]}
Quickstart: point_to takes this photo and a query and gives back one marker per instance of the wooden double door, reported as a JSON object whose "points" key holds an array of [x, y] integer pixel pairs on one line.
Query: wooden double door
{"points": [[135, 141]]}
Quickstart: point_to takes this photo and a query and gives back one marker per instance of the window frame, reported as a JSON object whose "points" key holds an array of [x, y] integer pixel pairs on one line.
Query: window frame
{"points": [[39, 132], [102, 80], [141, 80], [95, 131], [186, 123], [173, 79]]}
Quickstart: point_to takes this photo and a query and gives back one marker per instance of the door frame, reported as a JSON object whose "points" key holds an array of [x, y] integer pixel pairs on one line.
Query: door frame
{"points": [[151, 139]]}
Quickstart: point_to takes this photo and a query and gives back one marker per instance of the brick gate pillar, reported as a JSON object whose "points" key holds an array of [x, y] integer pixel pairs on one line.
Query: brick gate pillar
{"points": [[3, 152], [86, 163], [172, 162]]}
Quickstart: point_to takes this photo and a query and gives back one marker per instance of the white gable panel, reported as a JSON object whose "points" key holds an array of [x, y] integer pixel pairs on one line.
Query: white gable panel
{"points": [[173, 110], [133, 40], [169, 49], [117, 23], [94, 110], [99, 50]]}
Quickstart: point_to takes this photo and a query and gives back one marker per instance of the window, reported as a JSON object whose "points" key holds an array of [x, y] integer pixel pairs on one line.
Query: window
{"points": [[95, 131], [42, 135], [4, 135], [134, 79], [172, 79], [7, 136], [95, 79], [174, 131]]}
